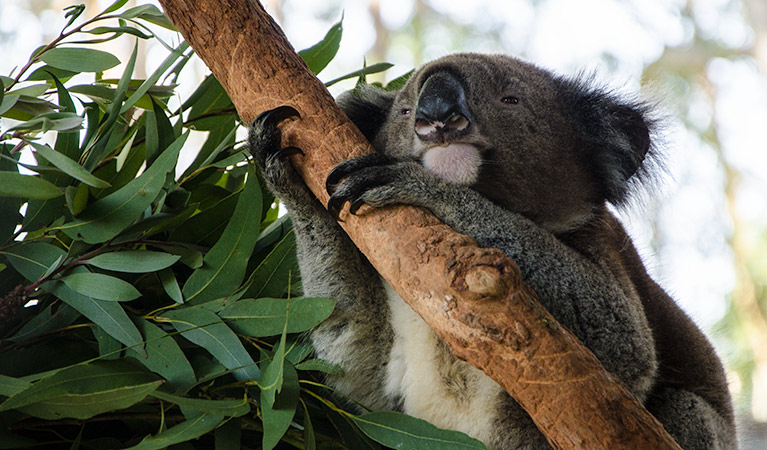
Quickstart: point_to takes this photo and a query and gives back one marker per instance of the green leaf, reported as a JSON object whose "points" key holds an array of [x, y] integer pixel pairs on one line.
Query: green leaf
{"points": [[47, 321], [164, 357], [270, 278], [134, 261], [278, 415], [103, 219], [109, 347], [78, 200], [33, 259], [368, 70], [9, 206], [185, 431], [8, 102], [69, 166], [53, 121], [114, 7], [13, 184], [108, 315], [397, 430], [117, 31], [79, 59], [320, 54], [47, 72], [10, 386], [226, 408], [321, 366], [85, 390], [170, 285], [152, 80], [267, 316], [101, 287], [35, 90], [205, 329], [224, 266]]}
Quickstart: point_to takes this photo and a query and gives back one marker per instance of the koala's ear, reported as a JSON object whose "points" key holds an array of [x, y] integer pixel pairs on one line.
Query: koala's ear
{"points": [[368, 107], [616, 135]]}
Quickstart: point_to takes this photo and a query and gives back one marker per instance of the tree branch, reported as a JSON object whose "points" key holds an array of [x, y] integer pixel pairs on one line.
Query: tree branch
{"points": [[472, 297]]}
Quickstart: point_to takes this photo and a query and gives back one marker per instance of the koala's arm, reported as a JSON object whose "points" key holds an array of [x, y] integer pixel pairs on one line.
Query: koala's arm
{"points": [[583, 296], [357, 336]]}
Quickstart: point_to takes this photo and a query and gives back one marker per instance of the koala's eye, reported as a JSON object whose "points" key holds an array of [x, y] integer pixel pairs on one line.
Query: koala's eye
{"points": [[405, 111], [510, 100]]}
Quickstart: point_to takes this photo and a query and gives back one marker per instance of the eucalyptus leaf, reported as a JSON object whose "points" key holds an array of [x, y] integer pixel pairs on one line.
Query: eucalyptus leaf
{"points": [[271, 277], [101, 287], [320, 54], [134, 261], [224, 266], [79, 59], [33, 259], [368, 70], [108, 315], [226, 408], [267, 316], [397, 430], [206, 329], [188, 430], [278, 415], [69, 166], [13, 184], [85, 390], [164, 357]]}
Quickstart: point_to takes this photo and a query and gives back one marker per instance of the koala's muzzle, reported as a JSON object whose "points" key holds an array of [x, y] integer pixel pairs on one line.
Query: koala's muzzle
{"points": [[442, 108]]}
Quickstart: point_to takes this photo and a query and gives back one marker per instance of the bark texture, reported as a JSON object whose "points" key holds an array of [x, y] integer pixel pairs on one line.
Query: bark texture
{"points": [[472, 297]]}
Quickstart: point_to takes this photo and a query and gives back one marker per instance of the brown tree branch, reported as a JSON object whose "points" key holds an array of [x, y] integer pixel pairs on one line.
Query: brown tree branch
{"points": [[472, 297]]}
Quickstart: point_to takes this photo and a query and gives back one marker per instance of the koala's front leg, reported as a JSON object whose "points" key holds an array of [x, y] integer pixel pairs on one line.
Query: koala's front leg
{"points": [[357, 336], [582, 294]]}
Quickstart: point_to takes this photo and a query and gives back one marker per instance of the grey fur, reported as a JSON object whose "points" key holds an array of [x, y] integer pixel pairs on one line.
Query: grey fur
{"points": [[552, 156]]}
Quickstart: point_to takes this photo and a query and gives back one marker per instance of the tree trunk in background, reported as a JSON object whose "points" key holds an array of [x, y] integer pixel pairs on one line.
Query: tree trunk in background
{"points": [[472, 297]]}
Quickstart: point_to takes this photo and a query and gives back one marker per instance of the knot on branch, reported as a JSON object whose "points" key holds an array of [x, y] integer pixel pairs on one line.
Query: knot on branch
{"points": [[484, 274]]}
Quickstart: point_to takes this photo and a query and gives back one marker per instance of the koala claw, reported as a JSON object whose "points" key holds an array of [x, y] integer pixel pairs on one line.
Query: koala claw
{"points": [[334, 207], [274, 116], [349, 166], [286, 152], [356, 205]]}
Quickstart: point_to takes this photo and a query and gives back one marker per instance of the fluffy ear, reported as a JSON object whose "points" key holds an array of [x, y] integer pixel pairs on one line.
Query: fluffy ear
{"points": [[368, 107], [615, 134]]}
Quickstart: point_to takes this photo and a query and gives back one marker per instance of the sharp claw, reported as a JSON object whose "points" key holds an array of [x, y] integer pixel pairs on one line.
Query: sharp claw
{"points": [[334, 207], [334, 178], [277, 115], [356, 205], [288, 151]]}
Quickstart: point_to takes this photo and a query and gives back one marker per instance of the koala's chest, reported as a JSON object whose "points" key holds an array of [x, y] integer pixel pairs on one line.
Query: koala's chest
{"points": [[434, 385]]}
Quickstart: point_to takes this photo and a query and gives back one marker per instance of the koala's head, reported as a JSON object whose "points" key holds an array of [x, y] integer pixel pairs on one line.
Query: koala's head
{"points": [[550, 148]]}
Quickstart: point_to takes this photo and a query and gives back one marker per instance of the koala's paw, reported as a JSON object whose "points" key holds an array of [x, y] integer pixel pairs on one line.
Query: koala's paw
{"points": [[376, 180], [265, 143]]}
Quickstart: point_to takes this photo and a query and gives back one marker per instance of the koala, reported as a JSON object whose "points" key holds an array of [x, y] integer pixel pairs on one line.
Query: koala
{"points": [[525, 161]]}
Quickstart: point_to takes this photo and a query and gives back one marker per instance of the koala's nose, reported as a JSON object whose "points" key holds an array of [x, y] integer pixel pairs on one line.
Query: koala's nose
{"points": [[442, 107]]}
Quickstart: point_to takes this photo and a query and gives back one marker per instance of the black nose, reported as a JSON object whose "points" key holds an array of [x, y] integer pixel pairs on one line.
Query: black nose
{"points": [[442, 106]]}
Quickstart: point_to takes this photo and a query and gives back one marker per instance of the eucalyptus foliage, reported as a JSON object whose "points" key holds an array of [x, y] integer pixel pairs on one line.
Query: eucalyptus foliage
{"points": [[142, 306]]}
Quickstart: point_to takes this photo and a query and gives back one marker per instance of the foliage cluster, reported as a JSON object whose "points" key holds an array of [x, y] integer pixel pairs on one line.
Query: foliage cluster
{"points": [[146, 307]]}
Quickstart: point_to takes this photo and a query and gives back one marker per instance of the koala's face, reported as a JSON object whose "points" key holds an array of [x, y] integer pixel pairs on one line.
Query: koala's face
{"points": [[549, 148]]}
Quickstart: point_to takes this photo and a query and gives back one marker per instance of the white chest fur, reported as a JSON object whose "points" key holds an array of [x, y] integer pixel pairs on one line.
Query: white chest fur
{"points": [[433, 384]]}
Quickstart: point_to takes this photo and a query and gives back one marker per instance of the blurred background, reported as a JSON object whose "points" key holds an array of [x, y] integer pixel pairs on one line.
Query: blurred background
{"points": [[702, 231]]}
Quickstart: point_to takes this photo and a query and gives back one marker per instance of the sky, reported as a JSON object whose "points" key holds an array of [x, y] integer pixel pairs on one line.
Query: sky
{"points": [[693, 261]]}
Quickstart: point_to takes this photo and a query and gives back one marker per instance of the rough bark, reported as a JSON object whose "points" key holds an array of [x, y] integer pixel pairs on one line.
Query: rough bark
{"points": [[472, 297]]}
